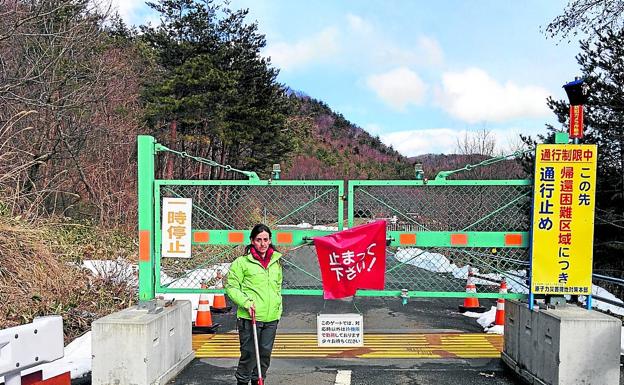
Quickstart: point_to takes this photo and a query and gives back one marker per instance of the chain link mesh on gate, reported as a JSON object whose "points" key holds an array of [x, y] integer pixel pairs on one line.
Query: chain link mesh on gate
{"points": [[448, 207], [219, 206]]}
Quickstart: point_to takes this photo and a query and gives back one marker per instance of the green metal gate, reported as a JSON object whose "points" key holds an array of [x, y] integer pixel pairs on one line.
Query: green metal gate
{"points": [[436, 229], [439, 230]]}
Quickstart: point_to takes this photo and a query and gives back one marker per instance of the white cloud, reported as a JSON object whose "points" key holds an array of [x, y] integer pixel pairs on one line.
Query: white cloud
{"points": [[473, 96], [445, 140], [129, 9], [357, 24], [373, 128], [357, 44], [424, 52], [316, 48], [398, 88], [428, 141], [431, 50]]}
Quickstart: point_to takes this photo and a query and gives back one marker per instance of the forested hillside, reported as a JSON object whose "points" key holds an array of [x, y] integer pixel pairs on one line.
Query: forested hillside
{"points": [[330, 147]]}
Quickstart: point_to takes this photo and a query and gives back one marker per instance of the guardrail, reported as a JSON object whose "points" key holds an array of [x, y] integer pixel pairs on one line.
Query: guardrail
{"points": [[26, 346]]}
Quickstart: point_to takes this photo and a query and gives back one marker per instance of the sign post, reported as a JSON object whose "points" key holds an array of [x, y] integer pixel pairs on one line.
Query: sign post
{"points": [[563, 219], [145, 170]]}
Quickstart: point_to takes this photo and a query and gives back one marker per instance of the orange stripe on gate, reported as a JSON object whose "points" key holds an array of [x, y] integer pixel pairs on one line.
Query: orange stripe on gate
{"points": [[407, 239], [285, 238], [459, 239], [236, 237], [144, 245], [513, 239], [201, 237]]}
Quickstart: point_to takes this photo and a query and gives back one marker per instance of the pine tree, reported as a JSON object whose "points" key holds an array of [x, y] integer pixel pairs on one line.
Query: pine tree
{"points": [[601, 63], [214, 94]]}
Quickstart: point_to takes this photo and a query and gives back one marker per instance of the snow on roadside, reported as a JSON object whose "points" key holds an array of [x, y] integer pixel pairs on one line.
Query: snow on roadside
{"points": [[438, 263], [305, 225], [120, 270], [77, 359], [486, 320], [596, 303]]}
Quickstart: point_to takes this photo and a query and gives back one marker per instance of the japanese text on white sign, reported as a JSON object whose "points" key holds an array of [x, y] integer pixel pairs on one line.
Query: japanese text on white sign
{"points": [[340, 330], [176, 227]]}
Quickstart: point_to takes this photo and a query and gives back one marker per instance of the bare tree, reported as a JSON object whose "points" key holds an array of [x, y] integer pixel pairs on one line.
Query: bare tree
{"points": [[68, 102], [479, 146], [588, 17], [481, 142]]}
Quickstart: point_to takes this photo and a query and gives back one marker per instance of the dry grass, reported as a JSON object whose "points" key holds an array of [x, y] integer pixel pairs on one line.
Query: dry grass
{"points": [[40, 273]]}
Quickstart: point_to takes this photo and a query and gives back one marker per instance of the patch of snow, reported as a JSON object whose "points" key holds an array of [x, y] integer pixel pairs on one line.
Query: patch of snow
{"points": [[496, 329], [118, 271], [326, 228], [599, 291], [438, 263], [487, 318], [194, 277]]}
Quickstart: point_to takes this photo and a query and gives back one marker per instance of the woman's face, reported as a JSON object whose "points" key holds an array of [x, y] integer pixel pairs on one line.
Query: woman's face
{"points": [[261, 242]]}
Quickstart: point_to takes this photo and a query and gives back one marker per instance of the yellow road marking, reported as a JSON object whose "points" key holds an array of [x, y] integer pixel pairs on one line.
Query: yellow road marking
{"points": [[444, 345]]}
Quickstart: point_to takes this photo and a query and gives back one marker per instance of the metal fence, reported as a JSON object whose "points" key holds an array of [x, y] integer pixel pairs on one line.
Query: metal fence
{"points": [[442, 228], [222, 208], [437, 230]]}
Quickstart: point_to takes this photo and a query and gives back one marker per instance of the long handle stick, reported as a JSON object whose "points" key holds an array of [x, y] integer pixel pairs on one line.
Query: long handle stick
{"points": [[255, 334]]}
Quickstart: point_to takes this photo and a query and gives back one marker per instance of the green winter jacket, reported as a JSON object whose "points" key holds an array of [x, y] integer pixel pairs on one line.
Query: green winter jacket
{"points": [[247, 282]]}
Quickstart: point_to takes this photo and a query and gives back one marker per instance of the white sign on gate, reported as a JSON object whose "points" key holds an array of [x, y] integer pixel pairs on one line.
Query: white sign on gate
{"points": [[340, 329], [176, 227]]}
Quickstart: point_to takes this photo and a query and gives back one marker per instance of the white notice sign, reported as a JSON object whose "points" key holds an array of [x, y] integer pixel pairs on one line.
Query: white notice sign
{"points": [[176, 227], [340, 330]]}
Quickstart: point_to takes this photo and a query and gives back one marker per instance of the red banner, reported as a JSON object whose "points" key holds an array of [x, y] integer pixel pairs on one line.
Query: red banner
{"points": [[352, 259], [576, 121]]}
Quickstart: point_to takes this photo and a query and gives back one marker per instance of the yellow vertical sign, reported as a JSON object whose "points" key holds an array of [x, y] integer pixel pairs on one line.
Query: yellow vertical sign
{"points": [[563, 218]]}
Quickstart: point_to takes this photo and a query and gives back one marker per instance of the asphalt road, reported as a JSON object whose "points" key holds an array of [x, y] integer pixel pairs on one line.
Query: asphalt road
{"points": [[361, 372], [381, 315]]}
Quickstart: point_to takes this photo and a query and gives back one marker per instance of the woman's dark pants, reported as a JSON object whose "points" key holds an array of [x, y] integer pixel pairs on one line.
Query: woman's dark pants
{"points": [[247, 367]]}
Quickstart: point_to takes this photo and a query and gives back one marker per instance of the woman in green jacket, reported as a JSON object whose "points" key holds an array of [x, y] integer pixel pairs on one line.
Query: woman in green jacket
{"points": [[255, 281]]}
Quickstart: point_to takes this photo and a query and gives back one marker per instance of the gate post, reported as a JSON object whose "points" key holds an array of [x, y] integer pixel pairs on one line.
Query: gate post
{"points": [[145, 172]]}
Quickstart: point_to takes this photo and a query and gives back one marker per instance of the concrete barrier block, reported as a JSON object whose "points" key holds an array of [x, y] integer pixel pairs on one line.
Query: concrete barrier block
{"points": [[135, 347], [512, 329], [580, 347]]}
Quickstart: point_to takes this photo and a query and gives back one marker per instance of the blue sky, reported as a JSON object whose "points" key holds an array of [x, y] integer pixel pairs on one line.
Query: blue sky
{"points": [[420, 74]]}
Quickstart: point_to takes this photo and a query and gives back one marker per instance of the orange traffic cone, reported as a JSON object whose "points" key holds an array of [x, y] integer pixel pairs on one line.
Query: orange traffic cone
{"points": [[471, 303], [219, 305], [500, 305], [203, 321]]}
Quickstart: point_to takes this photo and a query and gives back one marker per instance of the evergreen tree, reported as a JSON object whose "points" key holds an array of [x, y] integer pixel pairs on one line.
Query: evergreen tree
{"points": [[602, 65], [213, 93]]}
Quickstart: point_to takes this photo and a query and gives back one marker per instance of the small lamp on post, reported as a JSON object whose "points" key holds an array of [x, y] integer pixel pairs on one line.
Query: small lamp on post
{"points": [[578, 92], [275, 174], [420, 173]]}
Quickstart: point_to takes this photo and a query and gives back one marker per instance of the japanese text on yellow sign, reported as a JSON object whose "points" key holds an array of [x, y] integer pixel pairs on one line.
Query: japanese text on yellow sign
{"points": [[176, 227], [563, 218]]}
